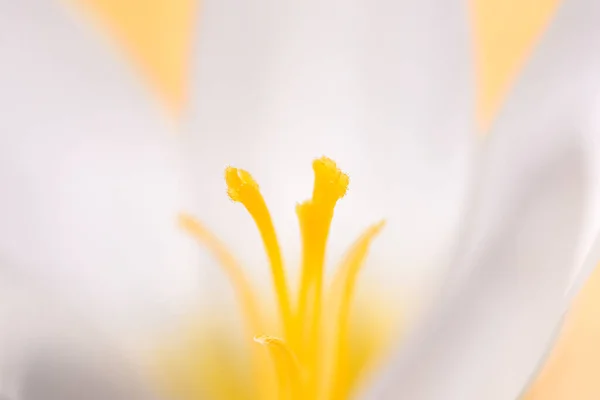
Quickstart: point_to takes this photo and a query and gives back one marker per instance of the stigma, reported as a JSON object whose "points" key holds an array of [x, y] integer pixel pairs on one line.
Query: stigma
{"points": [[309, 359]]}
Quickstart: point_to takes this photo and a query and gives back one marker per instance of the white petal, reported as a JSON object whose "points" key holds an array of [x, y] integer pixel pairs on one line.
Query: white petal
{"points": [[592, 234], [384, 87], [58, 374], [89, 169], [506, 289], [50, 351]]}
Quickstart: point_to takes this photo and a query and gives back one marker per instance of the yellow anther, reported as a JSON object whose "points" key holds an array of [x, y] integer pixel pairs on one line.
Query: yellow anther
{"points": [[242, 187], [330, 182], [240, 184], [285, 363]]}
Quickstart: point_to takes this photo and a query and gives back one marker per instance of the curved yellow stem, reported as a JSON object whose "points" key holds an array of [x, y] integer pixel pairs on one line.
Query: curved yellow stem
{"points": [[343, 286]]}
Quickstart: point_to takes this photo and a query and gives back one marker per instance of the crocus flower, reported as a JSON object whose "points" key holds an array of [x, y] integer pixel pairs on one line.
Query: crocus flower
{"points": [[117, 232]]}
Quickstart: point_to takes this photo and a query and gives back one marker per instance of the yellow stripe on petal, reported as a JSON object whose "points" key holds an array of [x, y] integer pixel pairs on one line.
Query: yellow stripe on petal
{"points": [[156, 36], [505, 32], [572, 369]]}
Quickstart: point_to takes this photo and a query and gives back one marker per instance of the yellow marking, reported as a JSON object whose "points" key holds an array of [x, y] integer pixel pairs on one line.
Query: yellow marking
{"points": [[242, 188], [157, 36], [505, 32], [571, 371]]}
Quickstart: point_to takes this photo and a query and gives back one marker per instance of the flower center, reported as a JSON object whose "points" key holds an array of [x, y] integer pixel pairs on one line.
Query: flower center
{"points": [[310, 359]]}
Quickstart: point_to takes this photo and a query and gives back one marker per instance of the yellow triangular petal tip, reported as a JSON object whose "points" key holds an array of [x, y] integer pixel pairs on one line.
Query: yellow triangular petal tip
{"points": [[505, 32], [156, 36]]}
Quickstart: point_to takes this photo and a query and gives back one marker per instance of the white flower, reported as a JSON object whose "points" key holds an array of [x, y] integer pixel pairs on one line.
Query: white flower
{"points": [[95, 178]]}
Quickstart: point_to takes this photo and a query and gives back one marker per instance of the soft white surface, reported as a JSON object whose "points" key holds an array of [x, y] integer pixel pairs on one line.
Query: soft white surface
{"points": [[90, 172], [528, 226], [95, 175], [384, 87]]}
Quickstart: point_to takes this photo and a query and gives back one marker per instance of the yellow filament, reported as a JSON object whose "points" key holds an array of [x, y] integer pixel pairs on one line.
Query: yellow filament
{"points": [[242, 288], [343, 285], [289, 374], [242, 188], [315, 218]]}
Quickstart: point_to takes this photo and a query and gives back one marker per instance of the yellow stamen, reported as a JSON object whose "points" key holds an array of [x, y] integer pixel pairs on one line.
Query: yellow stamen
{"points": [[319, 356], [315, 218], [242, 188], [343, 286], [286, 366], [242, 288]]}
